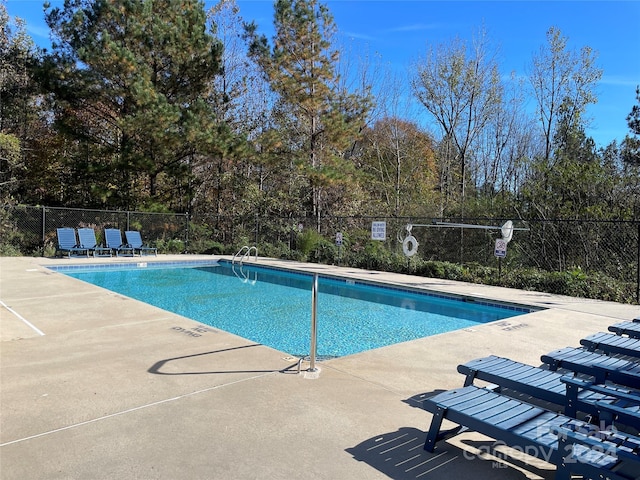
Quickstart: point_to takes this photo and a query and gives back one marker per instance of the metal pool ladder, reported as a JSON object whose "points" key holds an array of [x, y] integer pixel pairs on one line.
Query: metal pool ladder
{"points": [[245, 253]]}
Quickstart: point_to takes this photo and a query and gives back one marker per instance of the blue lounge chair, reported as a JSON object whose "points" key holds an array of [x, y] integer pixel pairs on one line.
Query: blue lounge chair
{"points": [[602, 367], [134, 239], [535, 431], [630, 329], [113, 240], [612, 344], [607, 402], [67, 243], [88, 240]]}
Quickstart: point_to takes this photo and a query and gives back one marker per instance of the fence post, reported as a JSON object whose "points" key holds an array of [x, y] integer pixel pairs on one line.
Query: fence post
{"points": [[638, 267], [186, 232], [44, 225], [314, 324], [257, 228]]}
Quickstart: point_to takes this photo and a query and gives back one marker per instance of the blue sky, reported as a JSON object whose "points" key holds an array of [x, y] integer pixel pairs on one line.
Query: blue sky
{"points": [[399, 32]]}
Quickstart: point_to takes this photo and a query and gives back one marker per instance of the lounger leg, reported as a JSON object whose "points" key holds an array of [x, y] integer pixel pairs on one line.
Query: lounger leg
{"points": [[563, 472], [572, 400], [469, 379], [434, 429]]}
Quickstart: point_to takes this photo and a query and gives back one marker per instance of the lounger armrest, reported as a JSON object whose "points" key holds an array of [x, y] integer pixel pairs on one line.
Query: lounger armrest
{"points": [[627, 373], [623, 416], [590, 439], [607, 411], [600, 388], [567, 438]]}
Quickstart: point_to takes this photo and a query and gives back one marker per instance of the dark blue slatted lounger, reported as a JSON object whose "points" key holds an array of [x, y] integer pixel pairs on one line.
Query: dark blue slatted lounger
{"points": [[604, 401], [601, 367], [535, 431], [612, 344], [630, 329]]}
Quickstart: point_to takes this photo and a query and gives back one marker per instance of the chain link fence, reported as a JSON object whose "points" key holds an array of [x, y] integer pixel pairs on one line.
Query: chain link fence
{"points": [[32, 230], [610, 248]]}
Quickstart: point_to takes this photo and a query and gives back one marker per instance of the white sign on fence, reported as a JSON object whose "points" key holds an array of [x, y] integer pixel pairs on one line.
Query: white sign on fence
{"points": [[378, 230], [501, 248], [339, 239]]}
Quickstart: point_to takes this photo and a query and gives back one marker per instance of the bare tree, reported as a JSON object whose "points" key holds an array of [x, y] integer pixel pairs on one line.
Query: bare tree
{"points": [[506, 143], [563, 80], [460, 87]]}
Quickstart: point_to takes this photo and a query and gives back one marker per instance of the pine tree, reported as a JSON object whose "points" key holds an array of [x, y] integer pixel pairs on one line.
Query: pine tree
{"points": [[631, 143], [129, 78], [301, 68]]}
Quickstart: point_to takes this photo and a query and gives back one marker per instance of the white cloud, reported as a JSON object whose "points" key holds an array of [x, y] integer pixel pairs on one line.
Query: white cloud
{"points": [[38, 31], [359, 36], [617, 81], [416, 27]]}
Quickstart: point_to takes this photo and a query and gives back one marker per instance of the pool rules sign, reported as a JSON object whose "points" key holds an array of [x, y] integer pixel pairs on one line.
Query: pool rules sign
{"points": [[501, 248]]}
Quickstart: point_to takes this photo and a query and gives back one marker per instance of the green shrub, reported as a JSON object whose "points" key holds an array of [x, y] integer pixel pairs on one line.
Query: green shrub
{"points": [[435, 269], [278, 250], [242, 241], [48, 251], [325, 251], [308, 240], [211, 248], [8, 250], [574, 283], [171, 246]]}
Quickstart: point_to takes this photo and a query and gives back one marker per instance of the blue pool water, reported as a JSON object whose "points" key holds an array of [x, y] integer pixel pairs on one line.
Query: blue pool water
{"points": [[273, 307]]}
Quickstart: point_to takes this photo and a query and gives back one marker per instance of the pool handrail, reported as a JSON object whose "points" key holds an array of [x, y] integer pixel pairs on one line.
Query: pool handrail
{"points": [[246, 254]]}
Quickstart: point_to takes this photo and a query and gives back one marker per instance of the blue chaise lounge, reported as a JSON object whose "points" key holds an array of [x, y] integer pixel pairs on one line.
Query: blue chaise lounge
{"points": [[67, 243]]}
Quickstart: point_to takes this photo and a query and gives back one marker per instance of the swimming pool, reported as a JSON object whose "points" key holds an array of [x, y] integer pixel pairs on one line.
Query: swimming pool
{"points": [[273, 307]]}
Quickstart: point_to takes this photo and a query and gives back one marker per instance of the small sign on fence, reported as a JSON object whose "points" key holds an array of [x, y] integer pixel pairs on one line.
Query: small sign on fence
{"points": [[378, 231], [501, 248], [339, 239]]}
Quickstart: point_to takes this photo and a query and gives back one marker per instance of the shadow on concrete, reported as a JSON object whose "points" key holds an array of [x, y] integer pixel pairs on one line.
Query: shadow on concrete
{"points": [[418, 398], [400, 456], [157, 367], [503, 458], [465, 454]]}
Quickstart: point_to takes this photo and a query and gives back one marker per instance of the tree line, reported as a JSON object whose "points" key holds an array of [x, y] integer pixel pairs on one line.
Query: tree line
{"points": [[159, 105]]}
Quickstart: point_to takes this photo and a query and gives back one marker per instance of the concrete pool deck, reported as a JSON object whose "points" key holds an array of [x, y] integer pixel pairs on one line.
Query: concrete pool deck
{"points": [[95, 385]]}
